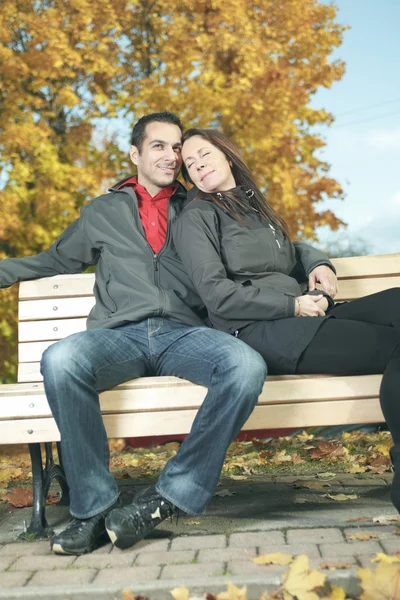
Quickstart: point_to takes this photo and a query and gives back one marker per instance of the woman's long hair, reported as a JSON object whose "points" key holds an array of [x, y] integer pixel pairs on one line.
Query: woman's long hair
{"points": [[231, 203]]}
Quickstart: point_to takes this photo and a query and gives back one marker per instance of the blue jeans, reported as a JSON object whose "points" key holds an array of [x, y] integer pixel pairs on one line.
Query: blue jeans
{"points": [[76, 368]]}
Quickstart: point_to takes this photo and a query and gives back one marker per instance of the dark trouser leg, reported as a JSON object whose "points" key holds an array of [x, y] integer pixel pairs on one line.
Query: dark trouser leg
{"points": [[345, 347], [382, 308]]}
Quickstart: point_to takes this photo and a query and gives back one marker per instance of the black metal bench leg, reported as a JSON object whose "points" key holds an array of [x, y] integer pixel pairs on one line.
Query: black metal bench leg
{"points": [[38, 525]]}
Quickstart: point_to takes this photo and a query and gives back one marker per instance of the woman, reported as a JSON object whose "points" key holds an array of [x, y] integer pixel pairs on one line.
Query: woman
{"points": [[253, 280]]}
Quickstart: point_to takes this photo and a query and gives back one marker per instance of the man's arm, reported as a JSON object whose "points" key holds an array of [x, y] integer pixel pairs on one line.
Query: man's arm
{"points": [[70, 253]]}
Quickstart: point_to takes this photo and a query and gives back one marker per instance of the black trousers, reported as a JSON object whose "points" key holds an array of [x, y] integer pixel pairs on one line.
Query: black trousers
{"points": [[363, 338]]}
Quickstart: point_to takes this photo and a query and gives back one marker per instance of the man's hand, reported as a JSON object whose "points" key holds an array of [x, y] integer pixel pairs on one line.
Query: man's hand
{"points": [[326, 277], [308, 306]]}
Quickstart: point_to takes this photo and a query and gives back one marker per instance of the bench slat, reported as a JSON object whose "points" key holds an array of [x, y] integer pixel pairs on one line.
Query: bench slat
{"points": [[179, 422], [367, 266], [58, 286], [179, 394], [350, 289], [33, 310], [32, 331]]}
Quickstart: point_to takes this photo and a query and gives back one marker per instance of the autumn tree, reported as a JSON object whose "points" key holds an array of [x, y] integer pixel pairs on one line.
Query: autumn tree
{"points": [[248, 67]]}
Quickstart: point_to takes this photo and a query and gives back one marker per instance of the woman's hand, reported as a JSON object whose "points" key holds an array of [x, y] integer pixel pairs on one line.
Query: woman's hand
{"points": [[326, 277], [309, 306]]}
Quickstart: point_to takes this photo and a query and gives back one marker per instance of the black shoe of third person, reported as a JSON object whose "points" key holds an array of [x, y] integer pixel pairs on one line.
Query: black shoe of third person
{"points": [[82, 535], [128, 525]]}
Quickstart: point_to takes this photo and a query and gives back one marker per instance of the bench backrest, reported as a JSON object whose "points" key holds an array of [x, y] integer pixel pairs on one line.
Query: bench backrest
{"points": [[54, 307]]}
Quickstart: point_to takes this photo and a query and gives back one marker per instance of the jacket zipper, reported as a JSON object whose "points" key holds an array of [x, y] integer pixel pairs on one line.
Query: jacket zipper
{"points": [[274, 232]]}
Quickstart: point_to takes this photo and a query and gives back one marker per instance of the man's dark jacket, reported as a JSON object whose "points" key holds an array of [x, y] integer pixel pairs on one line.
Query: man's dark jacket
{"points": [[131, 282]]}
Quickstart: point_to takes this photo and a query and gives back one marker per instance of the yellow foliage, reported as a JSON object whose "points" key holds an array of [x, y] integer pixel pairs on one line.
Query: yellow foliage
{"points": [[301, 582], [250, 70], [383, 583], [276, 558]]}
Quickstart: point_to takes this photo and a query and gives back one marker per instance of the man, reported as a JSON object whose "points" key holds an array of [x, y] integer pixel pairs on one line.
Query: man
{"points": [[147, 320]]}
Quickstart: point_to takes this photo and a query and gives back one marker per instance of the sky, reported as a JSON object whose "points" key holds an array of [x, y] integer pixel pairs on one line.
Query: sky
{"points": [[363, 145]]}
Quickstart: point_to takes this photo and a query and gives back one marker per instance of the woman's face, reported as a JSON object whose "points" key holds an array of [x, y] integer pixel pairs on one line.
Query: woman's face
{"points": [[207, 166]]}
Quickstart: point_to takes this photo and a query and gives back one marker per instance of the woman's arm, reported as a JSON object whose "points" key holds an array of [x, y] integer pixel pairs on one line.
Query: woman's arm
{"points": [[196, 237]]}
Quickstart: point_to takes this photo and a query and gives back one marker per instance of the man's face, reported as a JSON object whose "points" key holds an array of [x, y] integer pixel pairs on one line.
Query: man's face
{"points": [[160, 160]]}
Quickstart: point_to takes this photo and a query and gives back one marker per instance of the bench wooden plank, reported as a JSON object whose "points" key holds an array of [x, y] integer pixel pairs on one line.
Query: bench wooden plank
{"points": [[59, 286], [367, 266], [179, 422], [32, 331], [154, 394], [350, 289], [33, 310]]}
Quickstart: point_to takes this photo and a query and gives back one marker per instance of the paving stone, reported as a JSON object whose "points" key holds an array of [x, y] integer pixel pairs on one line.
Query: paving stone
{"points": [[295, 549], [365, 561], [5, 562], [128, 575], [165, 558], [316, 536], [391, 546], [226, 554], [62, 577], [14, 579], [26, 548], [198, 542], [44, 563], [179, 572], [349, 548], [243, 567], [145, 546], [344, 562], [256, 539], [383, 532], [103, 561]]}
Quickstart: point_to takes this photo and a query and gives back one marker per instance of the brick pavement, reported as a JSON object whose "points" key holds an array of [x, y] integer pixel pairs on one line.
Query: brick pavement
{"points": [[214, 550], [193, 556]]}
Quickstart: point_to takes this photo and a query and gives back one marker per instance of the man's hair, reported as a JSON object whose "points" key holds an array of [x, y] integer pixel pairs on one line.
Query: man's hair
{"points": [[139, 130]]}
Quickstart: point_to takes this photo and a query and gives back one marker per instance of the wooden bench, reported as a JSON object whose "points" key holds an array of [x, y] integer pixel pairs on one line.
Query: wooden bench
{"points": [[54, 307]]}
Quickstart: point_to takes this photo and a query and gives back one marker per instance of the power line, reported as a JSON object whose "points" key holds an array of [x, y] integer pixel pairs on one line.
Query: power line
{"points": [[366, 120], [355, 110]]}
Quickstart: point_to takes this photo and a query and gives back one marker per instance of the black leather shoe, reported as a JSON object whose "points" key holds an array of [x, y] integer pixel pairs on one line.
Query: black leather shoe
{"points": [[395, 494], [128, 525], [82, 535]]}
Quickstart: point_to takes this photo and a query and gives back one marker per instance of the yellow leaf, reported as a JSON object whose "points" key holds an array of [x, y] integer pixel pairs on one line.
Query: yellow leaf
{"points": [[233, 593], [363, 536], [277, 558], [180, 593], [385, 558], [335, 594], [301, 581], [382, 583], [127, 595], [341, 497]]}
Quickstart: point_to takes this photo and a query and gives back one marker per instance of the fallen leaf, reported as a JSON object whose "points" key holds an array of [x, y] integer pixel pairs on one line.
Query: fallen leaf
{"points": [[359, 520], [336, 565], [21, 497], [386, 519], [301, 581], [180, 593], [117, 444], [127, 595], [309, 485], [277, 558], [238, 477], [327, 450], [355, 468], [304, 436], [385, 558], [327, 474], [297, 460], [191, 522], [382, 583], [281, 457], [224, 493], [233, 593], [10, 474], [363, 536], [341, 497], [335, 594]]}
